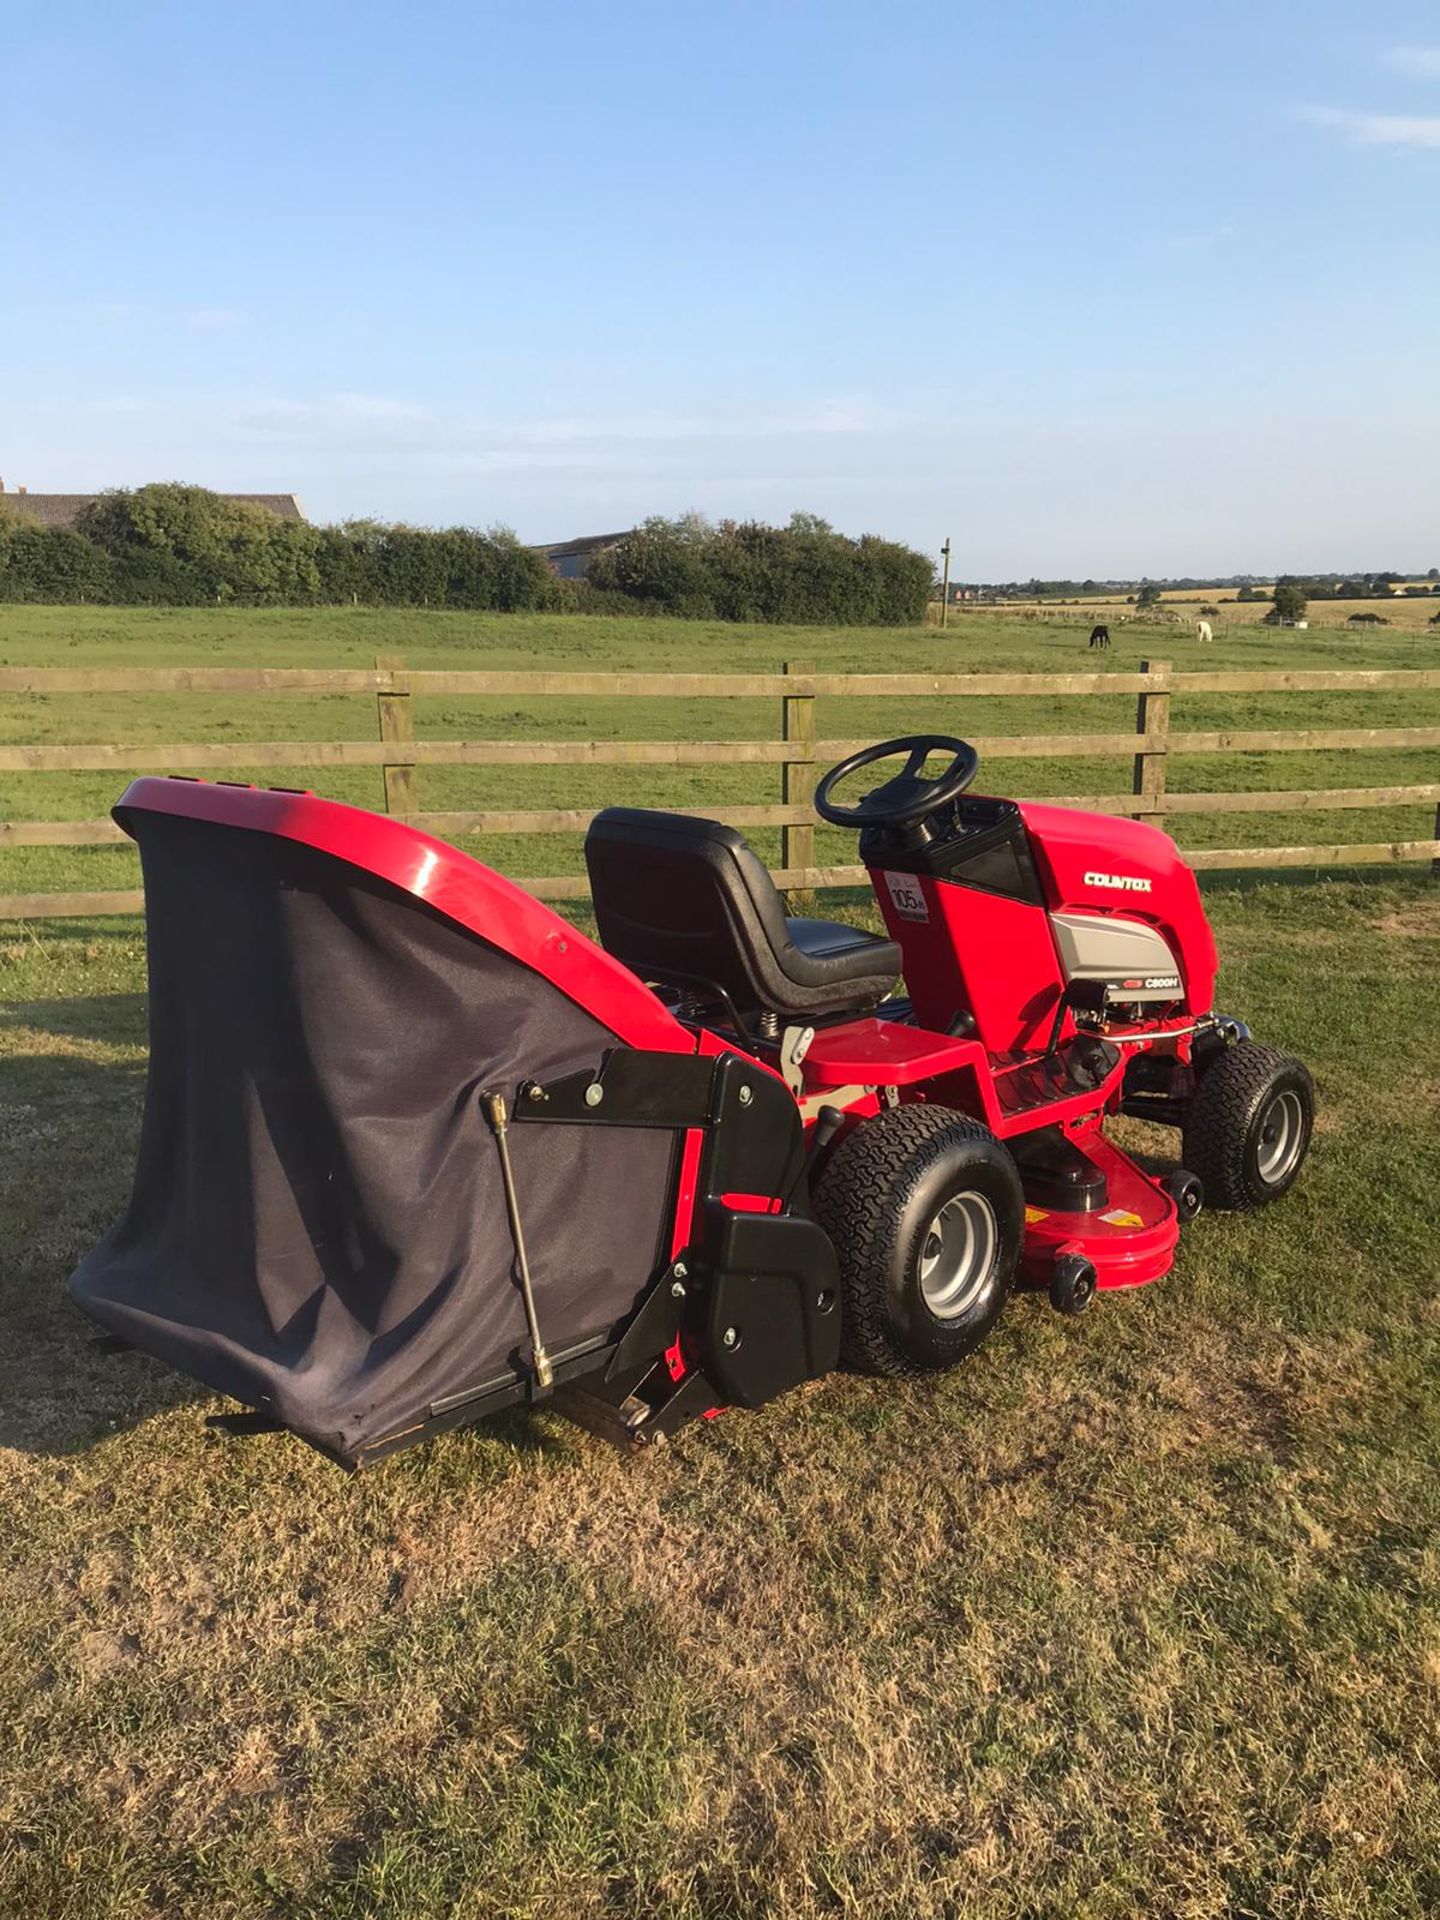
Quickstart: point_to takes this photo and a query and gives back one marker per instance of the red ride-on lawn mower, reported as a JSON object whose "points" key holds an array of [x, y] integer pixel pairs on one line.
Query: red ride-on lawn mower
{"points": [[414, 1149]]}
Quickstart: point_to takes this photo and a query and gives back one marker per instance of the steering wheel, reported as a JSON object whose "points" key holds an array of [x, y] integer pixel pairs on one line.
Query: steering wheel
{"points": [[905, 797]]}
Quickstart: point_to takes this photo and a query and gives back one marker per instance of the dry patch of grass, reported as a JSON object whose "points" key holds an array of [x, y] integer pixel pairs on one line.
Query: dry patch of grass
{"points": [[1402, 613]]}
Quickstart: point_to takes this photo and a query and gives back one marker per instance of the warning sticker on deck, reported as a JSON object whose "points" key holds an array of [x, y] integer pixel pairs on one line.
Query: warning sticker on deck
{"points": [[1034, 1215], [1118, 1217]]}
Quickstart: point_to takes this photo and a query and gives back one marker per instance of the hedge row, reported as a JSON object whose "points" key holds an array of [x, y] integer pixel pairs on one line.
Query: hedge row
{"points": [[180, 546], [171, 545], [805, 573]]}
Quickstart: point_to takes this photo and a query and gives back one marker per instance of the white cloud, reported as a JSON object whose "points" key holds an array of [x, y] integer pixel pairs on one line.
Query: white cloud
{"points": [[1420, 131], [1422, 63], [553, 441], [312, 419], [823, 417], [1197, 242], [211, 319], [151, 315]]}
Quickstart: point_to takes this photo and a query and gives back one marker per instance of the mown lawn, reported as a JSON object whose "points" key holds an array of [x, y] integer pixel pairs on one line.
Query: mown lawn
{"points": [[1135, 1614]]}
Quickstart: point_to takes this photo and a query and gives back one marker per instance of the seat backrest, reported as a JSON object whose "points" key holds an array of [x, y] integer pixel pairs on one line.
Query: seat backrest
{"points": [[686, 900]]}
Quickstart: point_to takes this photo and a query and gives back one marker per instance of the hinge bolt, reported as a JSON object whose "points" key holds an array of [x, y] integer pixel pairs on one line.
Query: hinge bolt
{"points": [[594, 1094], [677, 1289], [730, 1337], [746, 1096]]}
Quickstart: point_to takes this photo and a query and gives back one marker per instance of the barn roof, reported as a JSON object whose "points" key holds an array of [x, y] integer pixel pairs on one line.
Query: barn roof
{"points": [[587, 543], [64, 509]]}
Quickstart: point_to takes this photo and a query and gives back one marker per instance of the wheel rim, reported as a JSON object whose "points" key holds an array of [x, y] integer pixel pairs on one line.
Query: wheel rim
{"points": [[957, 1255], [1281, 1139]]}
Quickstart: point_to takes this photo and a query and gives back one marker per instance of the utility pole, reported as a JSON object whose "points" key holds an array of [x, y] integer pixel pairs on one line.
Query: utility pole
{"points": [[945, 584]]}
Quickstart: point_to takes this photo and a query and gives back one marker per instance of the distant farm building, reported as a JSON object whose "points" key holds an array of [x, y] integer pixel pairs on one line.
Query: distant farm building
{"points": [[569, 558], [65, 509]]}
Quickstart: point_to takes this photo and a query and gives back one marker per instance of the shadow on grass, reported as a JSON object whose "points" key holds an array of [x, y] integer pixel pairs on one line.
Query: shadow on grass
{"points": [[69, 1129], [113, 1018], [70, 932]]}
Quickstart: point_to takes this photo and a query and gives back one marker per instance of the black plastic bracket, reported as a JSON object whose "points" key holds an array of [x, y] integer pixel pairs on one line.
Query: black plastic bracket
{"points": [[754, 1295], [772, 1304], [757, 1144], [631, 1089], [658, 1321], [695, 1395]]}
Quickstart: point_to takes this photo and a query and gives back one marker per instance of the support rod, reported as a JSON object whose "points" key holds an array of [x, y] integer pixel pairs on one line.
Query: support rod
{"points": [[494, 1107]]}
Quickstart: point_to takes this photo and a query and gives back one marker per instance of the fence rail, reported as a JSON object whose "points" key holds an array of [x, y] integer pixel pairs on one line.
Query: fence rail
{"points": [[400, 756], [393, 677]]}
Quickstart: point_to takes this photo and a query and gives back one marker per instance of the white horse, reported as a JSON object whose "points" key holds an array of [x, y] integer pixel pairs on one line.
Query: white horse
{"points": [[1203, 630]]}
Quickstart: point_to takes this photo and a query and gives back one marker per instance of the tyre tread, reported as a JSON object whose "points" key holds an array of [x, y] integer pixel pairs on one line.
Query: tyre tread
{"points": [[854, 1199], [1217, 1124]]}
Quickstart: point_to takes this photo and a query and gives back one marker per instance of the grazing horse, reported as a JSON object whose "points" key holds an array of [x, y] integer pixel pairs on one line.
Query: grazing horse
{"points": [[1203, 630], [1100, 636]]}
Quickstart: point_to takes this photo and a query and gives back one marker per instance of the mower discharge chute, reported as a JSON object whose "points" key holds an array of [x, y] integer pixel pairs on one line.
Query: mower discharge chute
{"points": [[414, 1149]]}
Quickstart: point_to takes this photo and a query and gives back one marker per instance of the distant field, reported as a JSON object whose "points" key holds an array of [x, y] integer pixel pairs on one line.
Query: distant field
{"points": [[1408, 614], [97, 637]]}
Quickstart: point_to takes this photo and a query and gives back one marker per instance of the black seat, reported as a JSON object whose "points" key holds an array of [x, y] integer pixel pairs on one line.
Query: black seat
{"points": [[689, 903]]}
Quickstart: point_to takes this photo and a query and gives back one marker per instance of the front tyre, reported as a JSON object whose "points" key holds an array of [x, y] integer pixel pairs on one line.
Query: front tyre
{"points": [[1248, 1127], [926, 1214]]}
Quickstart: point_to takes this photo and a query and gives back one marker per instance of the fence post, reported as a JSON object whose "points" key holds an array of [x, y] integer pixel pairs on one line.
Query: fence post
{"points": [[1152, 723], [1435, 835], [797, 844], [396, 725]]}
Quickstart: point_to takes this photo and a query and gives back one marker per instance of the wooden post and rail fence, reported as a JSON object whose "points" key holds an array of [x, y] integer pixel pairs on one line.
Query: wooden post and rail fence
{"points": [[799, 753]]}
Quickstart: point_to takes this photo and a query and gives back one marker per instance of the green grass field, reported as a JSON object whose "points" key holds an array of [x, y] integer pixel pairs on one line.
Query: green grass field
{"points": [[1134, 1614], [105, 637]]}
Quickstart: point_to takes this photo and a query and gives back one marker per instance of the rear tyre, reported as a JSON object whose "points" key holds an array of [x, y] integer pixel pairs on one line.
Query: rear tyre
{"points": [[926, 1213], [1249, 1124]]}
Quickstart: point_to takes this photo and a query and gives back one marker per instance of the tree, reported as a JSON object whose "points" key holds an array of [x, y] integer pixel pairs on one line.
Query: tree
{"points": [[181, 545], [1148, 596], [1289, 600]]}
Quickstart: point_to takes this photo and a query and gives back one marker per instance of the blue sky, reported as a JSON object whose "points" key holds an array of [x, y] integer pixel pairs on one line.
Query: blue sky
{"points": [[1111, 288]]}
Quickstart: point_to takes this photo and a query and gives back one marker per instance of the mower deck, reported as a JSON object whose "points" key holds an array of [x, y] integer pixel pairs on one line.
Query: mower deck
{"points": [[1129, 1241]]}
